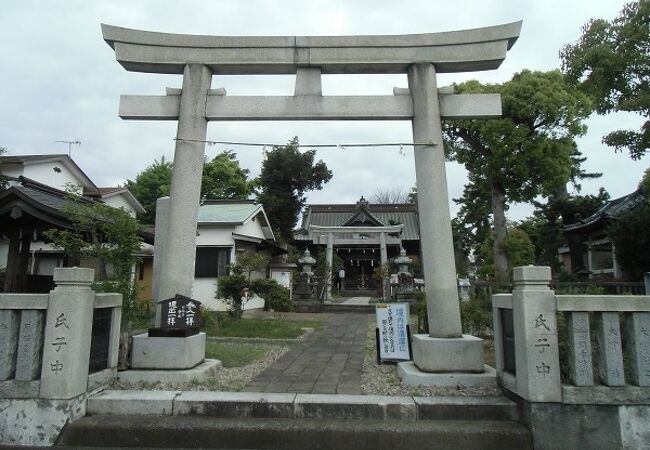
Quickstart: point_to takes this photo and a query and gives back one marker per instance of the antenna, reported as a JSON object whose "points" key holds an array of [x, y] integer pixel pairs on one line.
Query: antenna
{"points": [[70, 143]]}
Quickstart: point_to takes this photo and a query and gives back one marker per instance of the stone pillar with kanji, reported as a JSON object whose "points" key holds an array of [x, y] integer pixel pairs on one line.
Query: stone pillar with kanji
{"points": [[535, 326], [68, 332]]}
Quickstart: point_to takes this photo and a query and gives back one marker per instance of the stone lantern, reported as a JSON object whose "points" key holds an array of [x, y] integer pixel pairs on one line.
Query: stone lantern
{"points": [[405, 286], [305, 263]]}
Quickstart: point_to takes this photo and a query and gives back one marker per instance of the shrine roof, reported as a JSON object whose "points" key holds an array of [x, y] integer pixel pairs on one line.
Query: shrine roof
{"points": [[339, 214], [609, 210]]}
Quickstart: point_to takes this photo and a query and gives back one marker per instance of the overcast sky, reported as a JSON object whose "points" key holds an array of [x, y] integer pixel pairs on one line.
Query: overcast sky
{"points": [[60, 81]]}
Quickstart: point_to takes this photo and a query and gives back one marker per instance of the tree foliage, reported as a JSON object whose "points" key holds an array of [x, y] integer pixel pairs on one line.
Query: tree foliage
{"points": [[611, 61], [110, 237], [149, 185], [222, 178], [529, 151], [545, 227], [236, 287], [286, 175], [517, 246], [630, 235]]}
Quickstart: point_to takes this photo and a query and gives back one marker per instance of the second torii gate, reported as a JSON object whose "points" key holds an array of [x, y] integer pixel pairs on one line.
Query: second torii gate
{"points": [[420, 56]]}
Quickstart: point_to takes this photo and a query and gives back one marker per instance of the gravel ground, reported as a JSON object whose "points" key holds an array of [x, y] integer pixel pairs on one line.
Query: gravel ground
{"points": [[227, 379], [375, 379], [383, 380]]}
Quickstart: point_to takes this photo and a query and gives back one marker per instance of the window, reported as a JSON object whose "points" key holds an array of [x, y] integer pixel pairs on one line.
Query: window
{"points": [[212, 262]]}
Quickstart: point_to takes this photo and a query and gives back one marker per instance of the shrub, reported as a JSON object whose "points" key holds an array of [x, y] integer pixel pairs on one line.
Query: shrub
{"points": [[476, 315], [421, 311], [276, 297]]}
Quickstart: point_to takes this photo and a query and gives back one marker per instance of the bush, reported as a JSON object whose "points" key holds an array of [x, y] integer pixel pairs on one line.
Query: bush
{"points": [[232, 288], [276, 297], [421, 311], [476, 315]]}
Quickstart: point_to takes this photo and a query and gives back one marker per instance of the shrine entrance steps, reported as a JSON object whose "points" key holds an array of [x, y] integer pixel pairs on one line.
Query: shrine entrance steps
{"points": [[350, 305], [220, 420]]}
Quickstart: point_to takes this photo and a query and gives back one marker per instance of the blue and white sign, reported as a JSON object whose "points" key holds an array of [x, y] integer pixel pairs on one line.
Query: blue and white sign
{"points": [[392, 319]]}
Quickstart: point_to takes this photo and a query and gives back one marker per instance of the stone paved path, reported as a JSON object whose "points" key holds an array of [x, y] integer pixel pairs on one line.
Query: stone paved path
{"points": [[328, 362], [356, 301]]}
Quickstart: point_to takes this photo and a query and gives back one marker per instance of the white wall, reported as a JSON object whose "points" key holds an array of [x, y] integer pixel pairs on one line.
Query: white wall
{"points": [[204, 289], [44, 173], [250, 228], [119, 201]]}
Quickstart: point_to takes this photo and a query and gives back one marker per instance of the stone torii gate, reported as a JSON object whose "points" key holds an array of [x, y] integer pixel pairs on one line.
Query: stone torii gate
{"points": [[381, 232], [420, 56]]}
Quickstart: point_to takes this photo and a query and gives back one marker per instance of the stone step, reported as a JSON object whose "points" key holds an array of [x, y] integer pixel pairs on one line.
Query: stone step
{"points": [[299, 434], [301, 406], [342, 308]]}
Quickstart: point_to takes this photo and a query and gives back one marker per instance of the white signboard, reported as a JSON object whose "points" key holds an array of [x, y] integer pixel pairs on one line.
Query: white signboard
{"points": [[392, 319], [283, 278]]}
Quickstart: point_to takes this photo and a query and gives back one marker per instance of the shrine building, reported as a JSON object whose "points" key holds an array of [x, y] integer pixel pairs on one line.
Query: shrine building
{"points": [[362, 235]]}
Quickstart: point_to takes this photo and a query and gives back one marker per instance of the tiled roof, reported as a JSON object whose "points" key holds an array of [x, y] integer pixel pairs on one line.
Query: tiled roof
{"points": [[609, 210], [336, 215], [227, 212]]}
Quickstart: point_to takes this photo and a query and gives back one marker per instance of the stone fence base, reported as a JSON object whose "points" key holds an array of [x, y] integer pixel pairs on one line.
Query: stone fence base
{"points": [[594, 427]]}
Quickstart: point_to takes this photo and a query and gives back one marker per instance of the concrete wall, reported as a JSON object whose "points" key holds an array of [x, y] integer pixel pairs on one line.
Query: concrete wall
{"points": [[594, 427]]}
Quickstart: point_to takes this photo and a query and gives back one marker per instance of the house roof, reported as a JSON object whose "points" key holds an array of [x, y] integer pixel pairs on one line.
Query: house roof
{"points": [[227, 212], [609, 210], [38, 200], [44, 203], [89, 186], [348, 214], [233, 212], [106, 192]]}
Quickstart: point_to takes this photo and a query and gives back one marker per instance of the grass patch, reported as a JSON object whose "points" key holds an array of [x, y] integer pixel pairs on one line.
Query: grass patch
{"points": [[235, 354], [258, 328]]}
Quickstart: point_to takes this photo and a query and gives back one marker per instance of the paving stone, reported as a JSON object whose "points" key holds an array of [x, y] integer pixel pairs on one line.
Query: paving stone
{"points": [[328, 362]]}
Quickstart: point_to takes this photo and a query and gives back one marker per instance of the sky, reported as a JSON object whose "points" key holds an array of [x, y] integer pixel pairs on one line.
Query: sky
{"points": [[60, 82]]}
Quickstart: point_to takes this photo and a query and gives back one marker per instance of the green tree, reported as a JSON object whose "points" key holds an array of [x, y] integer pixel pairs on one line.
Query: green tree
{"points": [[234, 287], [529, 151], [150, 184], [545, 227], [611, 62], [222, 178], [517, 246], [630, 235], [285, 177], [110, 237]]}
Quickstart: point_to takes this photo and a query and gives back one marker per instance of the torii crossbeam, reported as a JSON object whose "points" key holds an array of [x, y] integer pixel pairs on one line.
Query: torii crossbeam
{"points": [[420, 56]]}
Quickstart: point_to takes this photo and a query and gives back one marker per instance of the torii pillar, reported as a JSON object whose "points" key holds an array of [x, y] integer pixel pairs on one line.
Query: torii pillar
{"points": [[421, 56]]}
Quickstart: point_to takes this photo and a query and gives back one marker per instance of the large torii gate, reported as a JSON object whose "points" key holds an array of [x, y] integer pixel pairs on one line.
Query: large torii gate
{"points": [[421, 56]]}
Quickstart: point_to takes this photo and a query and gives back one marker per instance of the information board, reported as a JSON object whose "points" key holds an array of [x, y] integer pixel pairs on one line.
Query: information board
{"points": [[392, 332]]}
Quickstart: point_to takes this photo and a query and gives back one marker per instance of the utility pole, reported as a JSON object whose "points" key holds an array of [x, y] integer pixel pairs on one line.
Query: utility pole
{"points": [[70, 143]]}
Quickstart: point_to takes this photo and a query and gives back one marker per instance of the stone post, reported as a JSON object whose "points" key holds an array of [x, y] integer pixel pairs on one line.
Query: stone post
{"points": [[160, 252], [536, 346], [68, 330], [436, 241], [177, 272], [382, 248], [329, 256]]}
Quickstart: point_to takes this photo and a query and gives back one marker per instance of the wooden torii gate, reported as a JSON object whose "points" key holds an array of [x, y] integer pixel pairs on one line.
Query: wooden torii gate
{"points": [[420, 56]]}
